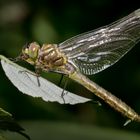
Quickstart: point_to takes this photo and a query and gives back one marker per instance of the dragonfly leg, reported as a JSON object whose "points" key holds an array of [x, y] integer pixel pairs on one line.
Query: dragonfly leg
{"points": [[37, 72], [24, 71], [15, 59], [63, 92], [62, 96], [61, 78], [38, 82]]}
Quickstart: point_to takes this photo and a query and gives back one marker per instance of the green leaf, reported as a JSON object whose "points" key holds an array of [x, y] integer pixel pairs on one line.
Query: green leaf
{"points": [[27, 82], [7, 123]]}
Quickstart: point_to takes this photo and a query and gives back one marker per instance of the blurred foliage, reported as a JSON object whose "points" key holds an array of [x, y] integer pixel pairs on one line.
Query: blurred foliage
{"points": [[74, 131], [8, 123], [53, 21]]}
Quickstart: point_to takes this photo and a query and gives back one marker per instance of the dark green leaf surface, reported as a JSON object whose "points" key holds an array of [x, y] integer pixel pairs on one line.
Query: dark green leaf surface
{"points": [[44, 130], [8, 123]]}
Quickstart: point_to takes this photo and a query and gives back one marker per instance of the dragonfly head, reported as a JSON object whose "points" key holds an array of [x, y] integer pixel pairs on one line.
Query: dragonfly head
{"points": [[30, 52]]}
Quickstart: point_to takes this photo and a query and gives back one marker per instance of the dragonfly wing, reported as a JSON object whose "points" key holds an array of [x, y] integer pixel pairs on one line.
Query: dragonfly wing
{"points": [[106, 54], [26, 82], [96, 50]]}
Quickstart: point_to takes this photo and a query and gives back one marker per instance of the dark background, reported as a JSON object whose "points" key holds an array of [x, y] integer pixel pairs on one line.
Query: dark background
{"points": [[53, 21]]}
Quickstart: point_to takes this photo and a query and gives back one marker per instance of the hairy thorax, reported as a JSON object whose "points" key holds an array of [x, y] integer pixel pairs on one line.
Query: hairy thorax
{"points": [[50, 58]]}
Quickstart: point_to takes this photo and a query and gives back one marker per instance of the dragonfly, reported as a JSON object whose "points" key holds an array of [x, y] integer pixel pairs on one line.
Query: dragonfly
{"points": [[88, 54]]}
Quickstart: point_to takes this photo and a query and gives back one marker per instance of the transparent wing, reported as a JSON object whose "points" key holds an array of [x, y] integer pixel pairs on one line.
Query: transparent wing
{"points": [[26, 82], [96, 50]]}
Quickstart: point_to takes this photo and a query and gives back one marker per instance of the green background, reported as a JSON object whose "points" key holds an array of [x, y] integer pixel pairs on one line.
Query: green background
{"points": [[53, 21]]}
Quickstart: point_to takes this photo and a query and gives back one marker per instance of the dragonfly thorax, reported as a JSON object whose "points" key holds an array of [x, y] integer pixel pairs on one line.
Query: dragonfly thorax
{"points": [[50, 56]]}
